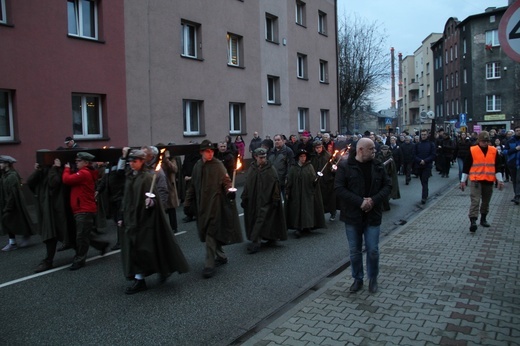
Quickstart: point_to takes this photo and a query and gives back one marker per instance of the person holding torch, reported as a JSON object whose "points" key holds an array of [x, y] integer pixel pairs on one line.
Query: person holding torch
{"points": [[147, 242], [211, 198]]}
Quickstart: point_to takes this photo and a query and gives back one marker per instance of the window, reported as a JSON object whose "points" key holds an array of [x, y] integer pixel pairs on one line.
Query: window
{"points": [[3, 15], [451, 53], [492, 38], [82, 18], [452, 81], [457, 106], [234, 43], [322, 23], [456, 51], [300, 13], [465, 105], [301, 66], [236, 111], [324, 119], [456, 78], [446, 57], [190, 38], [271, 28], [493, 70], [6, 116], [303, 114], [464, 46], [87, 116], [493, 103], [324, 71], [447, 82], [447, 108], [465, 76], [192, 112], [273, 90]]}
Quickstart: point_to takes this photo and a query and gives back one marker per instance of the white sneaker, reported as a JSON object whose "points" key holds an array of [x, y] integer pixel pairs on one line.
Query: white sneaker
{"points": [[10, 247]]}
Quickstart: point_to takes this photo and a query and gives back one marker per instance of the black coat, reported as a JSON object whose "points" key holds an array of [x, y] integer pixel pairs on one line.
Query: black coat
{"points": [[350, 188]]}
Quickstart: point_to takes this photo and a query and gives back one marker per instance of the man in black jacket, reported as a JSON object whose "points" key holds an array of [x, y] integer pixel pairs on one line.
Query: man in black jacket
{"points": [[424, 155], [362, 185]]}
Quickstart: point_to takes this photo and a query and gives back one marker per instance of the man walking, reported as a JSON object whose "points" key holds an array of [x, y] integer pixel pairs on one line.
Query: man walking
{"points": [[83, 204], [424, 154], [481, 166], [211, 200], [362, 185], [281, 157]]}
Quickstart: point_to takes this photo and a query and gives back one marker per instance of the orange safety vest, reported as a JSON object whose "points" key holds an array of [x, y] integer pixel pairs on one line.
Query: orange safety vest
{"points": [[483, 168]]}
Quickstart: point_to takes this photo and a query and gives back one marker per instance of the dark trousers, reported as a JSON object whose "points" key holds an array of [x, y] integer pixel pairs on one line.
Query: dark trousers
{"points": [[85, 225], [424, 173]]}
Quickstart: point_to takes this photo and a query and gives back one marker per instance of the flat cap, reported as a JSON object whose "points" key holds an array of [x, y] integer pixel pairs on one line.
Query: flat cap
{"points": [[7, 158], [82, 155], [136, 154], [206, 144], [260, 152]]}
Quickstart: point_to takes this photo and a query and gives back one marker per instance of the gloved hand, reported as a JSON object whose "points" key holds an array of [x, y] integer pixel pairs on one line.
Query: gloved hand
{"points": [[231, 195]]}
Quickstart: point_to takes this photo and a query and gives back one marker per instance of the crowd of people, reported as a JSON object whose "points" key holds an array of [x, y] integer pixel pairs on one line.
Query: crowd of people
{"points": [[291, 184]]}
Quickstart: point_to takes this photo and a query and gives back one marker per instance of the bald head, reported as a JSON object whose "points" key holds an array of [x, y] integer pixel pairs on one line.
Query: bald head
{"points": [[365, 150]]}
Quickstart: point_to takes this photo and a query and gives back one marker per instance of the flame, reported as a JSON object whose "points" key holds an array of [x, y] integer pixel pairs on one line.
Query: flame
{"points": [[159, 163], [239, 163], [104, 147]]}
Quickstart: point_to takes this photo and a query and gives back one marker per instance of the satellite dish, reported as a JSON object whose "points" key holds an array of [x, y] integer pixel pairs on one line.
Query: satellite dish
{"points": [[430, 115], [423, 115]]}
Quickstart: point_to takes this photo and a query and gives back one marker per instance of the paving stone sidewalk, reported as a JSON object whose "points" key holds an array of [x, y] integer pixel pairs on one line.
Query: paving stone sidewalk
{"points": [[438, 285]]}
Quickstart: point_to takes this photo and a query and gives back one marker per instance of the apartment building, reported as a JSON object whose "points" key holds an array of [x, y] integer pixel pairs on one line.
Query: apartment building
{"points": [[138, 72], [206, 69], [490, 89]]}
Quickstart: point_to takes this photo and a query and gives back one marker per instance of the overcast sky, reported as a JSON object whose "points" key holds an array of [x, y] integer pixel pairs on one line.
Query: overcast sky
{"points": [[407, 22]]}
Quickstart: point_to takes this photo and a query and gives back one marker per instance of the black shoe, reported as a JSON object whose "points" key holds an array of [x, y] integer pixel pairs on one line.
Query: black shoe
{"points": [[356, 286], [64, 247], [253, 248], [43, 266], [163, 278], [208, 273], [137, 286], [187, 219], [221, 261], [516, 200], [372, 285], [423, 201], [297, 234], [407, 183], [484, 222], [77, 265], [473, 227], [117, 246], [104, 249]]}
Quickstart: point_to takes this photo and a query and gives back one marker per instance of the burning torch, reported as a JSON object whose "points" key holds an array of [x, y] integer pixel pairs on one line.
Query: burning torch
{"points": [[237, 167], [157, 169]]}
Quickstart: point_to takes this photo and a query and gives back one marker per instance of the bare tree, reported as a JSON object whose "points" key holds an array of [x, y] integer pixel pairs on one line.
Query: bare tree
{"points": [[363, 64]]}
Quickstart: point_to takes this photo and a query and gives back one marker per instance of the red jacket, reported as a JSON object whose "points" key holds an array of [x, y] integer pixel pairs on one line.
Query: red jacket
{"points": [[82, 188]]}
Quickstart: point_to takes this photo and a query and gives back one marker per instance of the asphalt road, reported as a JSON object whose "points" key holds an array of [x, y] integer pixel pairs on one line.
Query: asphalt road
{"points": [[89, 306]]}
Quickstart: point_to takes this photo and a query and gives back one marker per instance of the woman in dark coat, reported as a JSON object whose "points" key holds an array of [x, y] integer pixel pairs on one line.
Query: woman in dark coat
{"points": [[385, 156], [263, 212], [303, 205], [147, 243], [319, 160]]}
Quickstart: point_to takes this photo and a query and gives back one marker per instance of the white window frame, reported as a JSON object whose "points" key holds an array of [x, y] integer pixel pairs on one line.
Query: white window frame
{"points": [[233, 45], [235, 107], [271, 28], [492, 38], [79, 24], [301, 66], [324, 71], [189, 39], [273, 89], [188, 112], [302, 119], [83, 115], [464, 46], [6, 115], [493, 70], [322, 22], [3, 14], [300, 13], [324, 119], [465, 76], [493, 103]]}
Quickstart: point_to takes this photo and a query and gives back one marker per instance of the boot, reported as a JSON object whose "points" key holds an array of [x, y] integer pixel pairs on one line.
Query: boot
{"points": [[473, 226], [483, 220]]}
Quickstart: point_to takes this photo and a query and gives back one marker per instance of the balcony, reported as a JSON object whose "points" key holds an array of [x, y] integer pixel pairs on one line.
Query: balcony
{"points": [[413, 86], [413, 104]]}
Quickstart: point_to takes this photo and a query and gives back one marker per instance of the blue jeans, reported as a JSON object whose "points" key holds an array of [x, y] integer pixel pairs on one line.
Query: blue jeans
{"points": [[460, 162], [355, 234]]}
